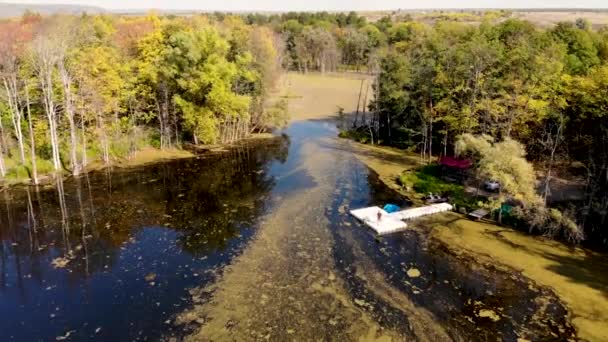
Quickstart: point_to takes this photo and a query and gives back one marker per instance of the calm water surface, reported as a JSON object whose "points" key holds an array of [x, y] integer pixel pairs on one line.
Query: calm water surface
{"points": [[112, 255]]}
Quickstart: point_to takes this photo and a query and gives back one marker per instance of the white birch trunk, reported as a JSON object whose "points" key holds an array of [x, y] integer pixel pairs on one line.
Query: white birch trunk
{"points": [[69, 111], [32, 138], [46, 83], [13, 104]]}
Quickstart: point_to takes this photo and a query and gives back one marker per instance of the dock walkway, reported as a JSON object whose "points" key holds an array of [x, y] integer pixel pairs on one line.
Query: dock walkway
{"points": [[394, 222]]}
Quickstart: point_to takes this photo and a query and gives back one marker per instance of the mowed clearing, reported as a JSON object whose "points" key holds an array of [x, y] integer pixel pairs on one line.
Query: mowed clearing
{"points": [[317, 96]]}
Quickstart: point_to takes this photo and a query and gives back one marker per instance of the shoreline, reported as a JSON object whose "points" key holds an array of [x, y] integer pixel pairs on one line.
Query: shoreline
{"points": [[146, 156], [577, 276]]}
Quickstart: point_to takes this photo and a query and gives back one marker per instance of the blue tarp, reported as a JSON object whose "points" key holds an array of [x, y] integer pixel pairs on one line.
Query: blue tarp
{"points": [[391, 208]]}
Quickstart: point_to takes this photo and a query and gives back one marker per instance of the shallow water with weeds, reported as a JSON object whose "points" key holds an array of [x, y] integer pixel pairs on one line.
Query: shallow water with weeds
{"points": [[253, 244]]}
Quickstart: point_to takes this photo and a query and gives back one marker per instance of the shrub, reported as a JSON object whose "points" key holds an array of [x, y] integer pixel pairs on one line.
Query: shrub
{"points": [[428, 180]]}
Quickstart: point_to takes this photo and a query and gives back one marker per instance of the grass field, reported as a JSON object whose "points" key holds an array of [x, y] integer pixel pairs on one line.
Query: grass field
{"points": [[544, 18], [317, 96]]}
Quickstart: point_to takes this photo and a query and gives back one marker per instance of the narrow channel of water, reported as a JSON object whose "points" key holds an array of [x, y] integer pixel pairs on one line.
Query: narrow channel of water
{"points": [[116, 255]]}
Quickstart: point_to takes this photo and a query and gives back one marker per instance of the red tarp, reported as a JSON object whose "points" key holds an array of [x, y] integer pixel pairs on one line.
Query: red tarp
{"points": [[454, 162]]}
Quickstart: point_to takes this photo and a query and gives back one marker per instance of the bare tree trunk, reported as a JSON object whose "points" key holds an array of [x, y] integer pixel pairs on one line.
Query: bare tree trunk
{"points": [[104, 139], [365, 104], [161, 126], [69, 111], [2, 146], [425, 131], [445, 142], [548, 175], [166, 132], [46, 83], [431, 131], [32, 137], [84, 160], [13, 104], [358, 104], [2, 166]]}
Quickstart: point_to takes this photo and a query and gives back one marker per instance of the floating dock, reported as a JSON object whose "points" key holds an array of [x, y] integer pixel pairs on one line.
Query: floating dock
{"points": [[394, 222]]}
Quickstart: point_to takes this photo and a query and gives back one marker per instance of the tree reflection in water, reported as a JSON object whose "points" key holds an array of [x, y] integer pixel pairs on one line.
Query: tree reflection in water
{"points": [[112, 228]]}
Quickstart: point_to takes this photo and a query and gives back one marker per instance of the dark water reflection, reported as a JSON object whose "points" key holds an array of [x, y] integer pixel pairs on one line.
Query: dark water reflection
{"points": [[126, 245]]}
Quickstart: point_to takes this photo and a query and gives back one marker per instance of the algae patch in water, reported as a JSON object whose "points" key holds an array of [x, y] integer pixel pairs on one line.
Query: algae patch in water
{"points": [[60, 262], [579, 277], [413, 273], [486, 313]]}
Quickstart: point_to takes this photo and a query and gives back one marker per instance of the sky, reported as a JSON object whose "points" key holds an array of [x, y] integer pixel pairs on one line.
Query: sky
{"points": [[318, 5]]}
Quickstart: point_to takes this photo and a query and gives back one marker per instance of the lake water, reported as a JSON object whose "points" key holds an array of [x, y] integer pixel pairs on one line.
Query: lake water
{"points": [[255, 243]]}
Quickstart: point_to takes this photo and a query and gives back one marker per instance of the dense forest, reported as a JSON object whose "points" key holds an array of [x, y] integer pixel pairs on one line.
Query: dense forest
{"points": [[76, 89], [527, 104]]}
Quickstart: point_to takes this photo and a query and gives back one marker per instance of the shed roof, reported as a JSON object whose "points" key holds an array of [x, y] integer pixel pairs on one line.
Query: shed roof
{"points": [[455, 162]]}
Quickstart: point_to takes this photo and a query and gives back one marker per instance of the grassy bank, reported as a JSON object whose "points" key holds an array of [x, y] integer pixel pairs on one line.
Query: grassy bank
{"points": [[21, 174], [578, 276]]}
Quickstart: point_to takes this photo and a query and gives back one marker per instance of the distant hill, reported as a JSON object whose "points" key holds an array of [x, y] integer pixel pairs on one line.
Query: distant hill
{"points": [[8, 10]]}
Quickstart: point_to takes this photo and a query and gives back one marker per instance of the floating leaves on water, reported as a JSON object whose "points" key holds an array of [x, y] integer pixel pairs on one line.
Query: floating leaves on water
{"points": [[489, 314], [60, 262], [66, 336], [413, 273], [360, 302]]}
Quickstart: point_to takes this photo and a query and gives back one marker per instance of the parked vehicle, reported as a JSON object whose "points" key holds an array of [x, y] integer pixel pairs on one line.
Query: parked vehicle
{"points": [[491, 185], [433, 198]]}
